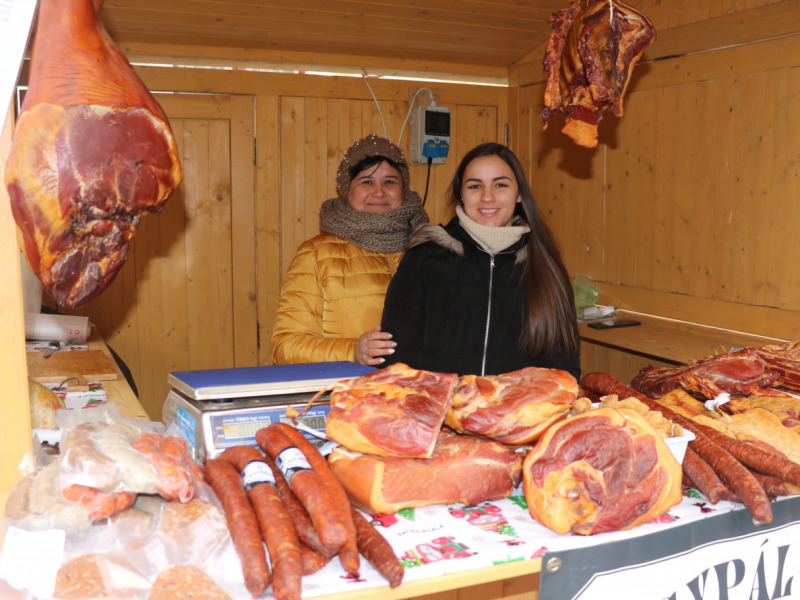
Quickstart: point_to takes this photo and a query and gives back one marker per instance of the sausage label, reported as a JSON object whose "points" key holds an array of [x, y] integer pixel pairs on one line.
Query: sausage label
{"points": [[255, 473], [291, 461]]}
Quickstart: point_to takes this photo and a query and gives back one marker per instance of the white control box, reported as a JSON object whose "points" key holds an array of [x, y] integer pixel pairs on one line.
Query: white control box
{"points": [[430, 134]]}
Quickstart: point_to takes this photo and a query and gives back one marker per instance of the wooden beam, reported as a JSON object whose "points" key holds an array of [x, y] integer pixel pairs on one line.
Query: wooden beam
{"points": [[178, 54]]}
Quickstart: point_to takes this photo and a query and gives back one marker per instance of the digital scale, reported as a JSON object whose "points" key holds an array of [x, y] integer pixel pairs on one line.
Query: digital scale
{"points": [[216, 409]]}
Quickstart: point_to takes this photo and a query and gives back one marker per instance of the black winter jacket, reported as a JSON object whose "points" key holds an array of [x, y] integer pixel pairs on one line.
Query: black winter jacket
{"points": [[453, 308]]}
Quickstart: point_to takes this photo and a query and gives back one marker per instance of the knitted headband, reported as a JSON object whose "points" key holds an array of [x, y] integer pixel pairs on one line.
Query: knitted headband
{"points": [[372, 145]]}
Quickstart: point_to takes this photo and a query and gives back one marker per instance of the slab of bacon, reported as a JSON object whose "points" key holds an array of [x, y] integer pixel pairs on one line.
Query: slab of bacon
{"points": [[602, 470], [395, 411], [92, 152], [588, 62], [740, 373], [785, 359], [462, 468], [513, 408]]}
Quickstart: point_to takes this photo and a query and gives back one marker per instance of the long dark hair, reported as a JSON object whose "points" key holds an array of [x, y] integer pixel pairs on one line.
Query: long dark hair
{"points": [[552, 322]]}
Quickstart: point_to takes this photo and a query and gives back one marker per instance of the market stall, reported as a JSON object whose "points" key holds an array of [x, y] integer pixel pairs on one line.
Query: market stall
{"points": [[670, 220]]}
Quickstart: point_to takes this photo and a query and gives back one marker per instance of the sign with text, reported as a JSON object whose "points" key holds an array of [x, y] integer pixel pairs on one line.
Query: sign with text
{"points": [[724, 557]]}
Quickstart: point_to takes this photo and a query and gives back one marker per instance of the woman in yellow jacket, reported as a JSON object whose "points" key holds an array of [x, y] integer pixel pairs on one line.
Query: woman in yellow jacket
{"points": [[332, 294]]}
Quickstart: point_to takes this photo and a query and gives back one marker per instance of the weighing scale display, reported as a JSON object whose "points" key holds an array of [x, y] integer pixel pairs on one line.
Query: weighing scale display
{"points": [[236, 429], [211, 426]]}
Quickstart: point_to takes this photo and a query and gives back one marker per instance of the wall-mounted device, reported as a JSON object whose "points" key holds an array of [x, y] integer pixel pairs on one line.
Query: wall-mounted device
{"points": [[430, 134]]}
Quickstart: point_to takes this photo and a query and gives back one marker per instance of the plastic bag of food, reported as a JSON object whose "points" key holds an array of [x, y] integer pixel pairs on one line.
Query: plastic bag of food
{"points": [[585, 291]]}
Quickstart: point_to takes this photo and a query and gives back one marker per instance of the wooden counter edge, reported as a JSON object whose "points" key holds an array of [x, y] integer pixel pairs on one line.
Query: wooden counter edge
{"points": [[443, 583]]}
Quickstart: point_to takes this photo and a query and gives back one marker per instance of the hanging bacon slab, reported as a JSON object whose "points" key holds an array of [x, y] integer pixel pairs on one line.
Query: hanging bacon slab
{"points": [[513, 408], [92, 152], [588, 63]]}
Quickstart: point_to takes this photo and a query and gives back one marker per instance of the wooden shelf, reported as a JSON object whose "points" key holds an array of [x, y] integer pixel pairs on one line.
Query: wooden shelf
{"points": [[670, 340]]}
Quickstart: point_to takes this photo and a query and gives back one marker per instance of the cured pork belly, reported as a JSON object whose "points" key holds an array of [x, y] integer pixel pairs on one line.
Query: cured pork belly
{"points": [[588, 62], [740, 373], [461, 469], [395, 411], [513, 408], [785, 359], [602, 470], [92, 152]]}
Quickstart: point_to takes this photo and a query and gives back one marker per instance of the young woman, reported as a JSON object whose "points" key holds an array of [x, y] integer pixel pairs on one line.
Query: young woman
{"points": [[488, 293], [332, 294]]}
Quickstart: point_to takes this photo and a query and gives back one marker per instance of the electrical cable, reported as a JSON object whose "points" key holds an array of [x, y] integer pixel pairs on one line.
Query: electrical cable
{"points": [[380, 112], [411, 107], [427, 181]]}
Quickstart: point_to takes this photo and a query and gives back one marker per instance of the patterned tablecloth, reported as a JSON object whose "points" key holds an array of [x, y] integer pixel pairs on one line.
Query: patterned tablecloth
{"points": [[438, 540]]}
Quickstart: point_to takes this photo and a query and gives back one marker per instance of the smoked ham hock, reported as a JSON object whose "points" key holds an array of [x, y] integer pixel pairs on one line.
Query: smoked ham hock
{"points": [[588, 62], [92, 152], [602, 470]]}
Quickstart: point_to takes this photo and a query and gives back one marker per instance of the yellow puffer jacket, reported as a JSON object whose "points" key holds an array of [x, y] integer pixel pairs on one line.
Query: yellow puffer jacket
{"points": [[331, 294]]}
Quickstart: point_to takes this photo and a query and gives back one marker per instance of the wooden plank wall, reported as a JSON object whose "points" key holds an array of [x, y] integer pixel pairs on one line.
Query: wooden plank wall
{"points": [[260, 152], [686, 209]]}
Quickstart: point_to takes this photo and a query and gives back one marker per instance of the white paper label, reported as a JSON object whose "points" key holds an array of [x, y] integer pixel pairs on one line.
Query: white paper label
{"points": [[291, 461], [255, 473]]}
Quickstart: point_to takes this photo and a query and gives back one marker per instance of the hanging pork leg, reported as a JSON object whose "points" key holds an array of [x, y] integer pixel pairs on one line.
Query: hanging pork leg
{"points": [[92, 152]]}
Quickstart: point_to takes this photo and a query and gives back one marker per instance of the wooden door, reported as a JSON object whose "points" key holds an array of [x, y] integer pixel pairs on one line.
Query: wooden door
{"points": [[185, 299]]}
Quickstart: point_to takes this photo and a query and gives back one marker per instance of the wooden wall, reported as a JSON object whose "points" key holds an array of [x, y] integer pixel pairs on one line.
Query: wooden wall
{"points": [[260, 152], [687, 207]]}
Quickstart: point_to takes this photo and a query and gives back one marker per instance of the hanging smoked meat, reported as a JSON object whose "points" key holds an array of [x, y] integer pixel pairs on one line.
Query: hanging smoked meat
{"points": [[588, 62], [92, 152]]}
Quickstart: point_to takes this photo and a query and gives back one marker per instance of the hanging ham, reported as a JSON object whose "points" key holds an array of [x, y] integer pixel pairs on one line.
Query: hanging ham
{"points": [[92, 152], [588, 63]]}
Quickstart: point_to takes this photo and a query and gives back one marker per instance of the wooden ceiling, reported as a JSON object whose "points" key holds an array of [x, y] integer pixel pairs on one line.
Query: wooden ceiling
{"points": [[490, 33]]}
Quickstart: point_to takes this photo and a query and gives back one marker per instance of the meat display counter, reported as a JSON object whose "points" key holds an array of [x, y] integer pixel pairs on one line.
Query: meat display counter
{"points": [[495, 550]]}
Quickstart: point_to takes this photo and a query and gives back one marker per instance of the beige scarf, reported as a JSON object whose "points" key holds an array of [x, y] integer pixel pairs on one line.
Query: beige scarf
{"points": [[492, 239]]}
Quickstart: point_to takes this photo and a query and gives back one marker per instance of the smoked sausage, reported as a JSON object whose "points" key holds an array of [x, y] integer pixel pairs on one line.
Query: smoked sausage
{"points": [[348, 554], [302, 522], [226, 482], [374, 547], [306, 484], [276, 525], [313, 561], [704, 478]]}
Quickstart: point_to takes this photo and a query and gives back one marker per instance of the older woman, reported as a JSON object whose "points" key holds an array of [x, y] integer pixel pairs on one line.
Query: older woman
{"points": [[332, 294], [488, 293]]}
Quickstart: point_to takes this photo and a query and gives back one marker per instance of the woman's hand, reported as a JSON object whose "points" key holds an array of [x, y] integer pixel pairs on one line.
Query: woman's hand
{"points": [[372, 345]]}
